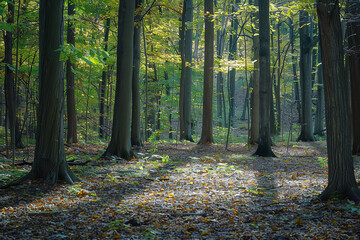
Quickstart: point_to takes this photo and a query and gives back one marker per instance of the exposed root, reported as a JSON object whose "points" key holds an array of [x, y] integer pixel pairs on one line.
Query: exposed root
{"points": [[351, 193], [28, 176]]}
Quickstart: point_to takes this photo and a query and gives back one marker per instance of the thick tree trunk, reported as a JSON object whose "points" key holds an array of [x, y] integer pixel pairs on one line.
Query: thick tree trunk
{"points": [[188, 8], [49, 162], [120, 144], [341, 178], [255, 99], [103, 84], [264, 147], [353, 61], [306, 133], [135, 119], [207, 120], [70, 81]]}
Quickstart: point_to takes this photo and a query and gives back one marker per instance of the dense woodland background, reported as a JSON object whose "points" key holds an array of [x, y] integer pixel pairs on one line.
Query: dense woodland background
{"points": [[226, 115], [90, 43]]}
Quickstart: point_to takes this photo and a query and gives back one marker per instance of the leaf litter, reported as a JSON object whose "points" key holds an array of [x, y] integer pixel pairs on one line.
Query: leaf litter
{"points": [[182, 191]]}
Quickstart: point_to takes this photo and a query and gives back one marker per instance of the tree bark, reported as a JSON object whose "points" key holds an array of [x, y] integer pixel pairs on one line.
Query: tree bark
{"points": [[49, 161], [9, 83], [220, 43], [319, 114], [120, 144], [232, 56], [188, 8], [103, 84], [306, 133], [341, 178], [207, 120], [135, 119], [70, 80], [254, 98], [353, 62], [264, 147]]}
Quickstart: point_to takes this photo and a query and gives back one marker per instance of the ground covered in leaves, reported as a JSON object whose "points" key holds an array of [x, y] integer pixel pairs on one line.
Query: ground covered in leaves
{"points": [[181, 191]]}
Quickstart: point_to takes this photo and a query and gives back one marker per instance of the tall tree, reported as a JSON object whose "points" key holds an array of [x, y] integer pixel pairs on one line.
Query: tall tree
{"points": [[49, 161], [341, 178], [306, 44], [232, 56], [254, 98], [103, 84], [353, 63], [135, 113], [207, 117], [264, 147], [120, 144], [188, 8], [319, 114], [220, 45], [70, 80], [10, 88]]}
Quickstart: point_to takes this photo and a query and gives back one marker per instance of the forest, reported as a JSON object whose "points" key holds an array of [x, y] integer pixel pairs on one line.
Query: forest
{"points": [[179, 119]]}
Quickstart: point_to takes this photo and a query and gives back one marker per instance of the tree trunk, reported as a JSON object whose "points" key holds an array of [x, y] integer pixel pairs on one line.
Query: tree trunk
{"points": [[294, 65], [103, 84], [232, 56], [341, 178], [9, 84], [220, 43], [264, 147], [306, 133], [255, 113], [120, 144], [182, 76], [135, 119], [49, 161], [207, 120], [319, 115], [188, 8], [353, 62], [70, 80]]}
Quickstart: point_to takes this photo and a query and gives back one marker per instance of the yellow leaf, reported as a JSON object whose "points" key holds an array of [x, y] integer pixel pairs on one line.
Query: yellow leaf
{"points": [[299, 221], [156, 225], [204, 233]]}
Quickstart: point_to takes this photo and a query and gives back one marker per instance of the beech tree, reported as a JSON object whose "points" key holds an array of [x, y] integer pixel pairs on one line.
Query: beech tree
{"points": [[120, 143], [341, 178], [264, 147]]}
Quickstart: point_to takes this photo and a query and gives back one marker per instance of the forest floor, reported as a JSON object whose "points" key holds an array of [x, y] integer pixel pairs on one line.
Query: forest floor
{"points": [[181, 191]]}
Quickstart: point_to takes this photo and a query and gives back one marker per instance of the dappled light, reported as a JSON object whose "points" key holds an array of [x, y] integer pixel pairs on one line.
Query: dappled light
{"points": [[183, 191]]}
